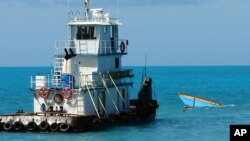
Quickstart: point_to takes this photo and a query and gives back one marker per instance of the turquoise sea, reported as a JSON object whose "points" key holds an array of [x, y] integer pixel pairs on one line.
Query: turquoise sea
{"points": [[227, 84]]}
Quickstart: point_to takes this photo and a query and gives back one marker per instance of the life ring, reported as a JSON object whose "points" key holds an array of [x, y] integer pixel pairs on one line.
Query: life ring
{"points": [[67, 93], [44, 92], [122, 47]]}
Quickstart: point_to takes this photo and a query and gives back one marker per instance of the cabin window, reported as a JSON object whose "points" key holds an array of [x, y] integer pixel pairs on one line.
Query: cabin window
{"points": [[86, 33], [117, 63]]}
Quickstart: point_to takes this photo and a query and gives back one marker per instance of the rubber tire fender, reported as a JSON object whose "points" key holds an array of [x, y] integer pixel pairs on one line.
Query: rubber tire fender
{"points": [[7, 126], [18, 126]]}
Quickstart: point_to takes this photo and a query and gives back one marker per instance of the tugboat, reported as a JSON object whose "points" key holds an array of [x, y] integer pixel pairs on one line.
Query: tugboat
{"points": [[87, 88]]}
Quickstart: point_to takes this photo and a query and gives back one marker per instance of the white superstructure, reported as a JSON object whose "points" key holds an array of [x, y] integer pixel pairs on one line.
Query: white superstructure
{"points": [[87, 78]]}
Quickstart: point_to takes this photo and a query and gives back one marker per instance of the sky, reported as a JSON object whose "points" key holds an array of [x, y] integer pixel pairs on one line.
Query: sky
{"points": [[170, 32]]}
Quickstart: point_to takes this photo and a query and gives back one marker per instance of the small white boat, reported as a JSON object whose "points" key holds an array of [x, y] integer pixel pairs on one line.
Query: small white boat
{"points": [[194, 101]]}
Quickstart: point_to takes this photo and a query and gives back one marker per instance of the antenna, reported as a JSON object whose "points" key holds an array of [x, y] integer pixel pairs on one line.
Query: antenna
{"points": [[118, 8], [68, 7], [69, 34], [145, 67], [86, 6], [144, 71]]}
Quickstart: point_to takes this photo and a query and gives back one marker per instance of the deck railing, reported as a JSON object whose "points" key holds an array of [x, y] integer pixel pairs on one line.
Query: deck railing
{"points": [[81, 80], [41, 80], [76, 17], [91, 47]]}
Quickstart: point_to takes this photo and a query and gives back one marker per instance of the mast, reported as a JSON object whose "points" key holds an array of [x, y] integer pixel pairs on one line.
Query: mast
{"points": [[86, 7]]}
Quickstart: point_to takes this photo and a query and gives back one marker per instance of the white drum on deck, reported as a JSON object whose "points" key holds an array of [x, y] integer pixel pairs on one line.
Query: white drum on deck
{"points": [[40, 81]]}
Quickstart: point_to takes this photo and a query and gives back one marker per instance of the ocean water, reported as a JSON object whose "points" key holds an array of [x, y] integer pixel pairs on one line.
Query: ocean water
{"points": [[229, 85]]}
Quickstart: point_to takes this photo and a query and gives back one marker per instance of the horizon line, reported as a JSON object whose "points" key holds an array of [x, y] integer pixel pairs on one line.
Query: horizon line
{"points": [[140, 66]]}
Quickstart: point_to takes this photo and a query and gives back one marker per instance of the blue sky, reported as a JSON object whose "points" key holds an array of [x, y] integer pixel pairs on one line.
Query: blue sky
{"points": [[171, 32]]}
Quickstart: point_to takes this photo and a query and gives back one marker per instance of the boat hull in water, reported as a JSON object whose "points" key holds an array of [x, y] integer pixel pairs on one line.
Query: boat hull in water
{"points": [[194, 101]]}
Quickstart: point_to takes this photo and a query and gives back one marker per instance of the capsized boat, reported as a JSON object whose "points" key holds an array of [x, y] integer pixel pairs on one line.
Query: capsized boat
{"points": [[194, 101], [88, 88]]}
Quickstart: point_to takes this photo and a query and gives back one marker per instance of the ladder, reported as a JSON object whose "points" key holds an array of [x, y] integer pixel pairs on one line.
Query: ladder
{"points": [[83, 48], [58, 64]]}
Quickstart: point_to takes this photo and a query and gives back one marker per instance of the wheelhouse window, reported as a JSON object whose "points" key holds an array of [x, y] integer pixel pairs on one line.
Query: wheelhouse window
{"points": [[86, 33]]}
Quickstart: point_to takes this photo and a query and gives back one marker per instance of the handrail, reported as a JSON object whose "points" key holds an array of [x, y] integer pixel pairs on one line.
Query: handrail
{"points": [[78, 18], [47, 81], [109, 20], [91, 47], [97, 83]]}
